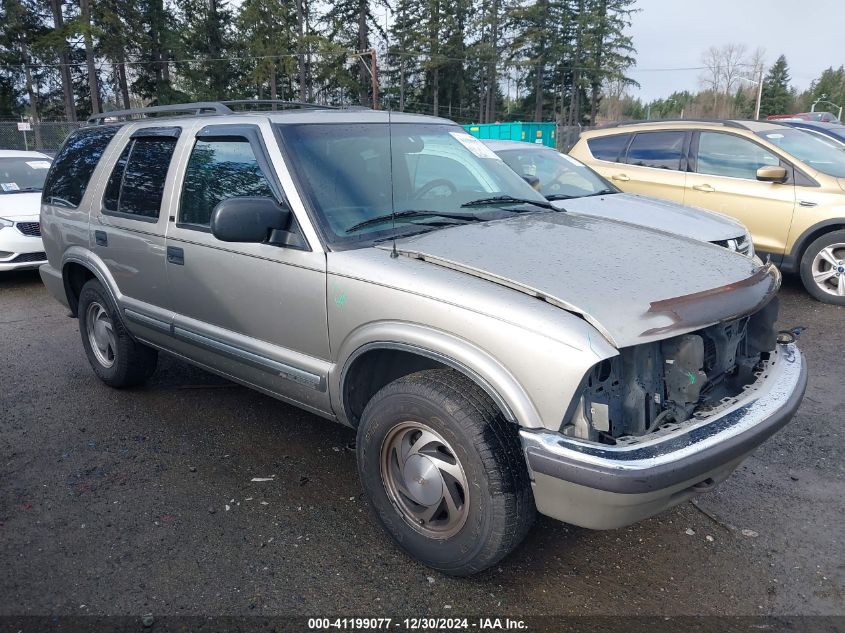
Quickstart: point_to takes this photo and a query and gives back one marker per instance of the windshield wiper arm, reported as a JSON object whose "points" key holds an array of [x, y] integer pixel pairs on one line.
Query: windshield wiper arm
{"points": [[411, 214], [559, 196], [602, 192], [483, 202]]}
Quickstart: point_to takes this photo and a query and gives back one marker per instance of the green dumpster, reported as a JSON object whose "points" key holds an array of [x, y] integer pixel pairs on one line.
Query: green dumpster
{"points": [[541, 133]]}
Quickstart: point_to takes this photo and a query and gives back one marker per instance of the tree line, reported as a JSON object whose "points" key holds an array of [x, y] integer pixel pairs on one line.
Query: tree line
{"points": [[728, 89], [470, 60]]}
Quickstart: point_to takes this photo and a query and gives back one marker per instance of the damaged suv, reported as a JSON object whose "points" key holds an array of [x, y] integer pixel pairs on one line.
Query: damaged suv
{"points": [[497, 356]]}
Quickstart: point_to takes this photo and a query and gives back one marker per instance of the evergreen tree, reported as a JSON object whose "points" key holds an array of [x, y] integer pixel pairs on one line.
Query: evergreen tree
{"points": [[777, 96]]}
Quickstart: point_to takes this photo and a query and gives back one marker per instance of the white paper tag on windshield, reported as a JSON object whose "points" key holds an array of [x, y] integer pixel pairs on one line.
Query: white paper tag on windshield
{"points": [[39, 164], [9, 186], [474, 145], [570, 159], [774, 135]]}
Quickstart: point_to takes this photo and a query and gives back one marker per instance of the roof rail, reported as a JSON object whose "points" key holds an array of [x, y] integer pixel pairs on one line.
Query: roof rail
{"points": [[279, 102], [724, 122], [197, 109]]}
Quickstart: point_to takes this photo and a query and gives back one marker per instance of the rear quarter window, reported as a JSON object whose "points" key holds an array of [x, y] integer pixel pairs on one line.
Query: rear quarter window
{"points": [[608, 148], [74, 164]]}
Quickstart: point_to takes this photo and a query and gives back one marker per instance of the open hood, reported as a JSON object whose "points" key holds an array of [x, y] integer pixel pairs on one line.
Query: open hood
{"points": [[632, 283]]}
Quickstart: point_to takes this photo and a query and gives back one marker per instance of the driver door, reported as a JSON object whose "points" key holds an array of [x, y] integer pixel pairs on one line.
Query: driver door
{"points": [[255, 311]]}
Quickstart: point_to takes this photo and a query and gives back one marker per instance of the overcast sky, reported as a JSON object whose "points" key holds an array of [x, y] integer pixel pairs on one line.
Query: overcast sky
{"points": [[674, 34]]}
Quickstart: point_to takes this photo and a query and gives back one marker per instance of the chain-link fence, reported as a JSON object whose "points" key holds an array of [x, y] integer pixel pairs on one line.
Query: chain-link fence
{"points": [[568, 135], [44, 136]]}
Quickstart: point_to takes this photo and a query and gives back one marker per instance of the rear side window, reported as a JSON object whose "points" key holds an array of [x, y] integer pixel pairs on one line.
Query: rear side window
{"points": [[608, 148], [218, 170], [136, 184], [68, 178], [663, 150]]}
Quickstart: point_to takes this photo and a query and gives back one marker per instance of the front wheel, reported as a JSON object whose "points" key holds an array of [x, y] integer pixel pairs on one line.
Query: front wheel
{"points": [[823, 268], [444, 472], [116, 358]]}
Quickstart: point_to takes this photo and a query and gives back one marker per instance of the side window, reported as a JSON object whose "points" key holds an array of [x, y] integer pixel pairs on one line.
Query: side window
{"points": [[217, 170], [608, 148], [75, 163], [728, 155], [663, 150], [136, 184]]}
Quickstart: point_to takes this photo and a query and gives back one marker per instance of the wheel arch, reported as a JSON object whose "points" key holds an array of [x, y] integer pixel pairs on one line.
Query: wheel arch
{"points": [[792, 263], [397, 349], [77, 269]]}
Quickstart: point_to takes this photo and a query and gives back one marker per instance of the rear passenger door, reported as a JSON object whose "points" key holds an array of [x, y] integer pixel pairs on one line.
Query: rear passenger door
{"points": [[656, 164], [128, 227], [256, 312]]}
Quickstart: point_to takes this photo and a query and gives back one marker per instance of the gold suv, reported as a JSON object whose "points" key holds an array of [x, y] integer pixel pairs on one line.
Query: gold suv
{"points": [[785, 185]]}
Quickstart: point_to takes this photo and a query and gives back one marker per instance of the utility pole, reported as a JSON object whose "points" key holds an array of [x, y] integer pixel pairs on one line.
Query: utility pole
{"points": [[759, 94], [374, 77]]}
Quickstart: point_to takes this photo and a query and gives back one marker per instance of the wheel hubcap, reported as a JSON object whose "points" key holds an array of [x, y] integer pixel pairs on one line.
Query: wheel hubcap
{"points": [[101, 334], [424, 480], [829, 269]]}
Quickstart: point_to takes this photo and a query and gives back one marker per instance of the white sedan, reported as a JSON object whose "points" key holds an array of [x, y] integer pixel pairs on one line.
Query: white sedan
{"points": [[22, 177]]}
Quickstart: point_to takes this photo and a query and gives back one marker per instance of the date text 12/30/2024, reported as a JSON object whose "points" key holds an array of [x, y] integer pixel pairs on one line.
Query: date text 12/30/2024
{"points": [[417, 624]]}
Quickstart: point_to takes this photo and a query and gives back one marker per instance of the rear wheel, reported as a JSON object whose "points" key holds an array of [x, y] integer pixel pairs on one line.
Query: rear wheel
{"points": [[823, 268], [116, 358], [444, 472]]}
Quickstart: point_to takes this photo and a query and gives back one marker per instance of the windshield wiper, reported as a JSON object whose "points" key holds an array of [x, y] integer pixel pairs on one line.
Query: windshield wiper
{"points": [[412, 214], [484, 202], [559, 196], [601, 192]]}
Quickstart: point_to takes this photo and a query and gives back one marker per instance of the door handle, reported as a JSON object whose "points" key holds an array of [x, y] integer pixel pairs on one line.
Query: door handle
{"points": [[175, 256], [704, 188], [101, 238], [621, 177]]}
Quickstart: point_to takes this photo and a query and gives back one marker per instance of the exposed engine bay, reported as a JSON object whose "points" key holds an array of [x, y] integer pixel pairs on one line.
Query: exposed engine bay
{"points": [[656, 385]]}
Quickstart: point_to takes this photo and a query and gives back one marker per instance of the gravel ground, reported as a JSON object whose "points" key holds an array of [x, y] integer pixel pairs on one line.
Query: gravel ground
{"points": [[128, 502]]}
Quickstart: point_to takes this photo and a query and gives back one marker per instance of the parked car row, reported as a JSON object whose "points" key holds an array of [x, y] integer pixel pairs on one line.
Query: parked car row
{"points": [[498, 353], [785, 184]]}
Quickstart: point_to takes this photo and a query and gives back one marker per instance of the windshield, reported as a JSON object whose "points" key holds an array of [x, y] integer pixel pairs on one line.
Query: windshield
{"points": [[345, 172], [557, 175], [825, 155], [20, 174]]}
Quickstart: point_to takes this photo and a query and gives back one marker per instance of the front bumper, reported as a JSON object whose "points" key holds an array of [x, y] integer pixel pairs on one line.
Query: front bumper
{"points": [[19, 251], [601, 487]]}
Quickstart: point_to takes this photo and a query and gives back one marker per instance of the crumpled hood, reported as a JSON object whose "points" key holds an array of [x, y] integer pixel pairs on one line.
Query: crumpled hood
{"points": [[632, 283], [699, 224], [20, 207]]}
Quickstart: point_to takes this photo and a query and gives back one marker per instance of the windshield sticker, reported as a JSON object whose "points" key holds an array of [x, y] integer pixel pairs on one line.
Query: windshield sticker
{"points": [[570, 159], [9, 186], [39, 164], [474, 145]]}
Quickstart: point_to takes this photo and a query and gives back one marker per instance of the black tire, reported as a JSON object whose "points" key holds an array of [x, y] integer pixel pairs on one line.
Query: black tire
{"points": [[826, 240], [131, 362], [499, 502]]}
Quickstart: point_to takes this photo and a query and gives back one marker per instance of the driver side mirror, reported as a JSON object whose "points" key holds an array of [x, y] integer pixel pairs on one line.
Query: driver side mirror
{"points": [[251, 219], [771, 173]]}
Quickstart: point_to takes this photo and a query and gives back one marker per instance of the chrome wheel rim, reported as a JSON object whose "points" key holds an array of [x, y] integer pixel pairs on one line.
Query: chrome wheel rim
{"points": [[424, 480], [101, 334], [829, 269]]}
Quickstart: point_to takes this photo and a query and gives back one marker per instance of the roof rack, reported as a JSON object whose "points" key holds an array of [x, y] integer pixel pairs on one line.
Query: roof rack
{"points": [[201, 108], [724, 122]]}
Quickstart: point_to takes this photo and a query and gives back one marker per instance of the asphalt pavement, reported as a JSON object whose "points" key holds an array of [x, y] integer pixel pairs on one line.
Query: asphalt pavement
{"points": [[142, 501]]}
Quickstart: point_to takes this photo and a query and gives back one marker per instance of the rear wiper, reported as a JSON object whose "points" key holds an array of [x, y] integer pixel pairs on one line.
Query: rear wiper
{"points": [[412, 214], [484, 202]]}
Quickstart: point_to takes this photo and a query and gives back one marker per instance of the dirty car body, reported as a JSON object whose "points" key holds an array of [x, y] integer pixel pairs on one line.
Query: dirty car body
{"points": [[404, 258]]}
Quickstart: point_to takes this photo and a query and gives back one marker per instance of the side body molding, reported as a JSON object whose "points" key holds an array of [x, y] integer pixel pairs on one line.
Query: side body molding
{"points": [[452, 351]]}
